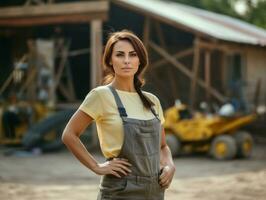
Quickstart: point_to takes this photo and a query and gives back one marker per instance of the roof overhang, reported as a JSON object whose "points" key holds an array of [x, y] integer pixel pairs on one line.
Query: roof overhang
{"points": [[58, 13], [197, 21]]}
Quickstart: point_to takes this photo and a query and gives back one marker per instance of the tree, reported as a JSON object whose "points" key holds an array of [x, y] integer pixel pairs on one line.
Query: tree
{"points": [[219, 6], [256, 14], [255, 10]]}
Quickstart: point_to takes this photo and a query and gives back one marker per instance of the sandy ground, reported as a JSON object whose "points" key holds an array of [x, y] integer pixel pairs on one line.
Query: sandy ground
{"points": [[59, 176]]}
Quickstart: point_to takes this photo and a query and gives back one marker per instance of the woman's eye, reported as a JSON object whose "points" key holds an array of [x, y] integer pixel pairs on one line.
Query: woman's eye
{"points": [[133, 54], [119, 55]]}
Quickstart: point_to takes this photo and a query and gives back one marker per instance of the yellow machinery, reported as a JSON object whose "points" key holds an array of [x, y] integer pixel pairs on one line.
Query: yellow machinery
{"points": [[220, 136], [37, 112]]}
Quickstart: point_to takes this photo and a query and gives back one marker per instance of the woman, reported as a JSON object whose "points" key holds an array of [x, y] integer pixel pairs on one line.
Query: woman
{"points": [[138, 163]]}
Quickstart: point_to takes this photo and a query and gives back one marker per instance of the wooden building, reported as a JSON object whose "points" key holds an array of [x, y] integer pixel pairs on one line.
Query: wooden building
{"points": [[19, 19], [197, 55]]}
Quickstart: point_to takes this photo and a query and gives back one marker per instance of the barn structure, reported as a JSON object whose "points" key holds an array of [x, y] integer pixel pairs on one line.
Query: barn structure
{"points": [[195, 55]]}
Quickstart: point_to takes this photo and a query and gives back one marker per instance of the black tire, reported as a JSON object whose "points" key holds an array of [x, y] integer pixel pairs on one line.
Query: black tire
{"points": [[244, 142], [223, 147], [35, 136], [173, 143]]}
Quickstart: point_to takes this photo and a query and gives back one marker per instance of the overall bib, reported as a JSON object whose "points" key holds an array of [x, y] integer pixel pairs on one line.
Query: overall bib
{"points": [[141, 147]]}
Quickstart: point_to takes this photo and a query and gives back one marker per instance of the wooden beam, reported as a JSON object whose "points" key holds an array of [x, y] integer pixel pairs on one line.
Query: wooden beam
{"points": [[54, 9], [70, 83], [78, 52], [160, 34], [257, 93], [96, 52], [196, 60], [225, 47], [170, 59], [95, 58], [61, 67], [178, 55], [6, 83], [185, 70], [207, 62], [60, 13], [10, 77], [224, 71], [146, 32], [172, 81], [29, 84], [62, 19]]}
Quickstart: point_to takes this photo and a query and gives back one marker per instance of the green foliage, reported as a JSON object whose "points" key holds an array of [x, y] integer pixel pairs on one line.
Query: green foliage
{"points": [[219, 6], [255, 14]]}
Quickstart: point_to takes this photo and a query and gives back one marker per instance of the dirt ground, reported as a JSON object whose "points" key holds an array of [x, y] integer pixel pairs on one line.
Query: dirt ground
{"points": [[59, 176]]}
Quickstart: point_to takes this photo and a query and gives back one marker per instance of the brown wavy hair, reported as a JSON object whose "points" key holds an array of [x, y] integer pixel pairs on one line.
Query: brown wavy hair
{"points": [[142, 55]]}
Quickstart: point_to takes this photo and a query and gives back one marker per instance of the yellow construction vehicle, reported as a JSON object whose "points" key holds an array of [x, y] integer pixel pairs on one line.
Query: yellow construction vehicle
{"points": [[28, 114], [220, 136]]}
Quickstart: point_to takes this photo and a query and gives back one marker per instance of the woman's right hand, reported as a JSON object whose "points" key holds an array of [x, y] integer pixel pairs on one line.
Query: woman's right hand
{"points": [[115, 167]]}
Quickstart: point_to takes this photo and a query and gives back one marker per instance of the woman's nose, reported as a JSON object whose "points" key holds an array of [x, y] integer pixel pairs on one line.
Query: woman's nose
{"points": [[126, 60]]}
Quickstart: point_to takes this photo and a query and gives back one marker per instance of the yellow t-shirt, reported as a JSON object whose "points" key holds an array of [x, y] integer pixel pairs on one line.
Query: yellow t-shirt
{"points": [[101, 106]]}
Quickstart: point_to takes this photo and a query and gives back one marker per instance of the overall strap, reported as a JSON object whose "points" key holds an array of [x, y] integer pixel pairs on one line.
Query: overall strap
{"points": [[120, 106], [154, 113]]}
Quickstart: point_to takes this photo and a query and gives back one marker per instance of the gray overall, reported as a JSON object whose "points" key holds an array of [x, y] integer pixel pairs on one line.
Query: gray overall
{"points": [[141, 148]]}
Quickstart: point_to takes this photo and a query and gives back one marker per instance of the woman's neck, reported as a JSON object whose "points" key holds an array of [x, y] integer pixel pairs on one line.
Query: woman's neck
{"points": [[125, 84]]}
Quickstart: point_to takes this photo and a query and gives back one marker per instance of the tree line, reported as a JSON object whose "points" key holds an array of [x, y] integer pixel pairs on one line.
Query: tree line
{"points": [[254, 12]]}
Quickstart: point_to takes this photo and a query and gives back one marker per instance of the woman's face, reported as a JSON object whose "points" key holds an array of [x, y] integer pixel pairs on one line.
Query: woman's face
{"points": [[124, 59]]}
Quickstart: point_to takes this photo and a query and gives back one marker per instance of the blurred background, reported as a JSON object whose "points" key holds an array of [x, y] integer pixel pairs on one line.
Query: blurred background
{"points": [[207, 67]]}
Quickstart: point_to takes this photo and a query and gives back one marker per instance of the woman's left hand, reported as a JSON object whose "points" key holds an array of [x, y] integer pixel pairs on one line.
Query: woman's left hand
{"points": [[166, 176]]}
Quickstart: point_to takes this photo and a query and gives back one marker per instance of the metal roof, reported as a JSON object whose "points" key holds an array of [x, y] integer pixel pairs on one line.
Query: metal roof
{"points": [[197, 20]]}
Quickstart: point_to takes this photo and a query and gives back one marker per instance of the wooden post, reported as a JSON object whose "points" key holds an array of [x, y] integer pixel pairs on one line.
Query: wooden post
{"points": [[257, 93], [96, 52], [224, 71], [61, 67], [172, 81], [207, 74], [96, 68], [70, 84], [146, 32], [160, 34], [196, 59]]}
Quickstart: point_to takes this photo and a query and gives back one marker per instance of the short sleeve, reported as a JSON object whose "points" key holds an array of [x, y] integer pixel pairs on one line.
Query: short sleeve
{"points": [[158, 107], [92, 105]]}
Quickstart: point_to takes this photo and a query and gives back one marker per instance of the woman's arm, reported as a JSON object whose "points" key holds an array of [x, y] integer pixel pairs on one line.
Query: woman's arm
{"points": [[166, 161], [75, 127]]}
